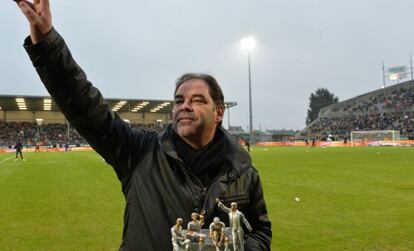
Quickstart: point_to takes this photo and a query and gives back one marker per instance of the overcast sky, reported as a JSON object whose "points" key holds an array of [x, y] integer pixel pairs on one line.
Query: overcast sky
{"points": [[137, 49]]}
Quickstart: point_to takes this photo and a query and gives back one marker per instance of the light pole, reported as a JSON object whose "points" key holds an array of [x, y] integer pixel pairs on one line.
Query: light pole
{"points": [[248, 44]]}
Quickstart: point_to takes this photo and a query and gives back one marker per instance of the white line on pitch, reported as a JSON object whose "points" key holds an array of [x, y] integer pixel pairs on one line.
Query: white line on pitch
{"points": [[6, 159]]}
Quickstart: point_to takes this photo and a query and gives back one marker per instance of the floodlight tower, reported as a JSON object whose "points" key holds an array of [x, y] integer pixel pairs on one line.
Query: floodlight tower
{"points": [[248, 44]]}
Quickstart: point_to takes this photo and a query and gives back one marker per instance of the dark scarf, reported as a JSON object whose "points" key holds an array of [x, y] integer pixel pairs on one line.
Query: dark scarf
{"points": [[206, 163]]}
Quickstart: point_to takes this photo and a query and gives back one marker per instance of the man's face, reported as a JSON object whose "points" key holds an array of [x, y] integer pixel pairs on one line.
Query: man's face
{"points": [[233, 206], [195, 116]]}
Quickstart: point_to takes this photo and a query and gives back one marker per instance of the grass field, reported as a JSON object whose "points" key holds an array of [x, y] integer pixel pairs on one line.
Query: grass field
{"points": [[350, 199]]}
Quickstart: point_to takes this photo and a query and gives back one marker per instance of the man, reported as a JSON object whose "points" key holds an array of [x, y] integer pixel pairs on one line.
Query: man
{"points": [[217, 234], [37, 148], [163, 176], [66, 146], [18, 148], [179, 242], [236, 218]]}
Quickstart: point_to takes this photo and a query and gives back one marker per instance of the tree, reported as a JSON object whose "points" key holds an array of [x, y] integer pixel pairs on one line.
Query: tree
{"points": [[322, 97]]}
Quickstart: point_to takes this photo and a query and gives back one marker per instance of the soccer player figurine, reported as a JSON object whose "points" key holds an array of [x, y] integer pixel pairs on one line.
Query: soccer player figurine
{"points": [[235, 219], [194, 229], [217, 235], [178, 240]]}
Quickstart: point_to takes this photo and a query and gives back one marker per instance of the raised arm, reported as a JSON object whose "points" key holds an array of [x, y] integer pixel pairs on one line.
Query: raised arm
{"points": [[80, 102], [222, 206]]}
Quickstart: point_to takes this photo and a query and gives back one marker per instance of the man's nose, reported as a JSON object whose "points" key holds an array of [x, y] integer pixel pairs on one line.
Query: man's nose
{"points": [[186, 106]]}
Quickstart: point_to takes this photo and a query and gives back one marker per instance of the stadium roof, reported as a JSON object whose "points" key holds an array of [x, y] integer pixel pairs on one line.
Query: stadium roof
{"points": [[45, 103]]}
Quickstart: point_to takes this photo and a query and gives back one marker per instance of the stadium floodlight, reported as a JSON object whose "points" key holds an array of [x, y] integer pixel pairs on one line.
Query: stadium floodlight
{"points": [[21, 103], [248, 44], [119, 105], [47, 104]]}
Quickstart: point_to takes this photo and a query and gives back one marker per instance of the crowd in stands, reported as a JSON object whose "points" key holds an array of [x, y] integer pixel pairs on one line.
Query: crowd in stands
{"points": [[151, 126], [398, 100], [12, 131], [393, 111], [342, 126], [31, 134]]}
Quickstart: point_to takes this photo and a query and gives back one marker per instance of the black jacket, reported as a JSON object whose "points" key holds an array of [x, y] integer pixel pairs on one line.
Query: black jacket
{"points": [[157, 185]]}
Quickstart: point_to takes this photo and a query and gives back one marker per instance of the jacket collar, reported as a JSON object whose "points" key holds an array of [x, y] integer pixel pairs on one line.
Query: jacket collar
{"points": [[237, 156]]}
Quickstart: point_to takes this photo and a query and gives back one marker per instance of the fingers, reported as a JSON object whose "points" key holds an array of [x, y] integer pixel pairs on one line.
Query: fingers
{"points": [[45, 5], [39, 25], [27, 2], [29, 12], [38, 14], [17, 1]]}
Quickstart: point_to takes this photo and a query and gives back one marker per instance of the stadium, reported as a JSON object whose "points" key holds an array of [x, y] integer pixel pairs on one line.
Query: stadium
{"points": [[342, 182], [383, 116], [319, 198], [389, 108]]}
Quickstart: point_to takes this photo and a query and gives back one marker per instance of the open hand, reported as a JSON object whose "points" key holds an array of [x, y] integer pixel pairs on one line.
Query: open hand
{"points": [[39, 16]]}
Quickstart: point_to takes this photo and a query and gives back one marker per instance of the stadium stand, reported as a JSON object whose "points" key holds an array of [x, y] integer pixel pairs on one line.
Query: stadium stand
{"points": [[50, 134], [37, 119], [391, 108], [31, 134]]}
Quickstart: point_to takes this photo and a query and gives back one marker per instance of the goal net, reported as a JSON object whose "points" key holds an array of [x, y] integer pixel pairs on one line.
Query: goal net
{"points": [[381, 137]]}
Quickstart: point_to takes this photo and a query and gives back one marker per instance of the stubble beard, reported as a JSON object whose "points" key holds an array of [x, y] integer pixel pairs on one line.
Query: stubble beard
{"points": [[186, 129]]}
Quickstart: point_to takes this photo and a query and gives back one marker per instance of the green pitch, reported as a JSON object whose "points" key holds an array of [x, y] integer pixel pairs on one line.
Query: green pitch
{"points": [[348, 199]]}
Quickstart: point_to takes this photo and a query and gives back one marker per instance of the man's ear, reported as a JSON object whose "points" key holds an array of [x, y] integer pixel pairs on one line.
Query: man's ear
{"points": [[219, 113]]}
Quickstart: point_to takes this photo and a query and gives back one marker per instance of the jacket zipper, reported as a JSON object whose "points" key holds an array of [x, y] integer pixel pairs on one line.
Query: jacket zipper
{"points": [[204, 189], [187, 169]]}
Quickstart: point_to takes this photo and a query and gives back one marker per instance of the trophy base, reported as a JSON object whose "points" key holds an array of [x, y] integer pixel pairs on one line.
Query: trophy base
{"points": [[208, 244]]}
